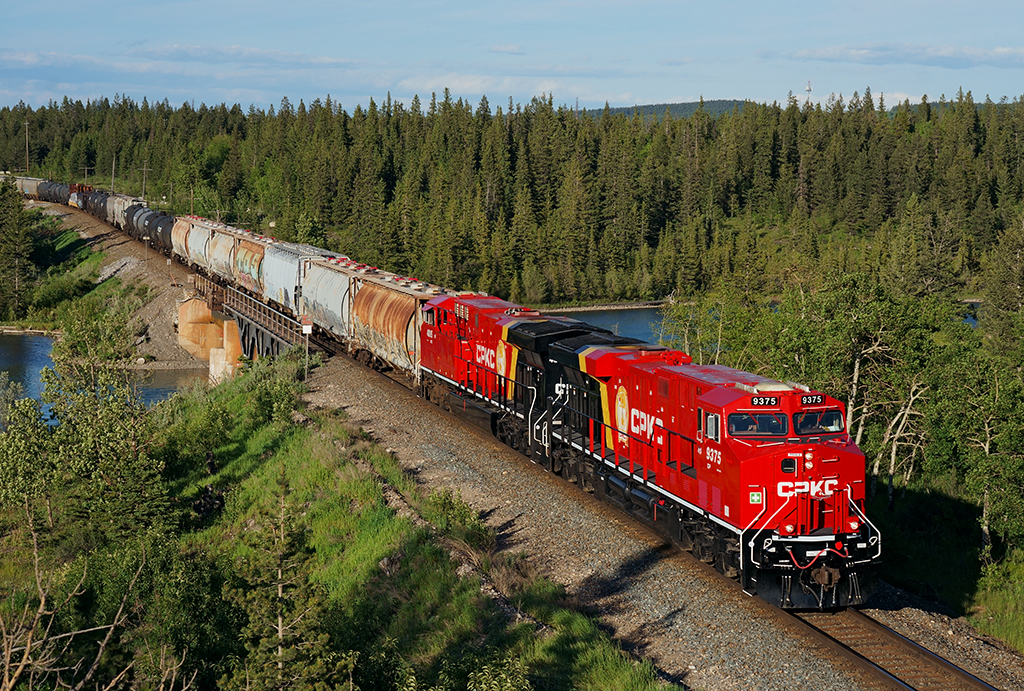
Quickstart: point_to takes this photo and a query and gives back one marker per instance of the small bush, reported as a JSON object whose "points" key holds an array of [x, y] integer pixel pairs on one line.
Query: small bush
{"points": [[193, 426], [272, 388], [455, 518], [60, 288], [507, 675]]}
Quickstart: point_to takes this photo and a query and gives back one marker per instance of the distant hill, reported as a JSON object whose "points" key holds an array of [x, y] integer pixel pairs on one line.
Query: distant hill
{"points": [[676, 110]]}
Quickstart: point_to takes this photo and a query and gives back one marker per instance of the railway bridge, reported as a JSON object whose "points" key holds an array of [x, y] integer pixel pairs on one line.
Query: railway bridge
{"points": [[221, 323]]}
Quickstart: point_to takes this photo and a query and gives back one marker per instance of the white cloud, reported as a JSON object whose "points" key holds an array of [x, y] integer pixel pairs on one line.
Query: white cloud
{"points": [[952, 57], [233, 54]]}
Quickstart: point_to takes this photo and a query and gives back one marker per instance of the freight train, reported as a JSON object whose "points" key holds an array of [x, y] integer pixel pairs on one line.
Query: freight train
{"points": [[757, 477]]}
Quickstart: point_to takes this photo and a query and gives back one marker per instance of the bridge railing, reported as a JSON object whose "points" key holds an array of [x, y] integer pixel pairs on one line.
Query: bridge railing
{"points": [[276, 324]]}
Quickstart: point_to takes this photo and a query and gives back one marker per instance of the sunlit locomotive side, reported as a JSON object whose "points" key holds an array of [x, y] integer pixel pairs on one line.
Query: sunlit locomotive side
{"points": [[755, 476]]}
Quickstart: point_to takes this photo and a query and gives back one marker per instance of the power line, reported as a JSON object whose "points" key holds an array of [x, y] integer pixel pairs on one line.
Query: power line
{"points": [[145, 169]]}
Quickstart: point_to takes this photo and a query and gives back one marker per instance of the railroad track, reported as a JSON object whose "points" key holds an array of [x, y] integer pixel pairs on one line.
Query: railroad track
{"points": [[893, 660]]}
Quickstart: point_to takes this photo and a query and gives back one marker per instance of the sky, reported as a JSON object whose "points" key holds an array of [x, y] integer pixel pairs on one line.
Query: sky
{"points": [[630, 52]]}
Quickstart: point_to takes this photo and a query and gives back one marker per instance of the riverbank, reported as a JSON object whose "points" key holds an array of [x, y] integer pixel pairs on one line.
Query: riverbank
{"points": [[16, 331], [647, 304]]}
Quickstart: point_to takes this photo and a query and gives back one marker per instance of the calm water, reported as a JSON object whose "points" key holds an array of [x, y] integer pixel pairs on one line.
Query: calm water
{"points": [[23, 356], [643, 322]]}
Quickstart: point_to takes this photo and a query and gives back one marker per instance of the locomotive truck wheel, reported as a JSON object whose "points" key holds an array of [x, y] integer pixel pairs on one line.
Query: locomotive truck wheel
{"points": [[726, 559], [571, 471], [704, 548], [587, 477]]}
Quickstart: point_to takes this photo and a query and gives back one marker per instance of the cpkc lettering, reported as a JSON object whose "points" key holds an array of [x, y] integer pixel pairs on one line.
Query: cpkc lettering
{"points": [[816, 488]]}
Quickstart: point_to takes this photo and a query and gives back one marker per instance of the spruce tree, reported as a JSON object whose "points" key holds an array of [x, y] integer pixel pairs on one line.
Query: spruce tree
{"points": [[287, 646], [16, 245]]}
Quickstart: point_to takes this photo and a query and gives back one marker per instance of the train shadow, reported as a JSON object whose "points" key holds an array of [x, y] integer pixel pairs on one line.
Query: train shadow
{"points": [[622, 590], [931, 550]]}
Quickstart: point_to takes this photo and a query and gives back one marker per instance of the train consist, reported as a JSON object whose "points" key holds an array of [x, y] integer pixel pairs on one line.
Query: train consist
{"points": [[757, 477]]}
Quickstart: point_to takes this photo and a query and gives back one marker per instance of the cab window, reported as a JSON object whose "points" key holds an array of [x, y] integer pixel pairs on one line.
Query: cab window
{"points": [[757, 425], [818, 422]]}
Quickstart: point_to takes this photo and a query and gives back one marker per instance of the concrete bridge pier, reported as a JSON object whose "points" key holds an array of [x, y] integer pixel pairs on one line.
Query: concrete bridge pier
{"points": [[210, 335], [221, 323]]}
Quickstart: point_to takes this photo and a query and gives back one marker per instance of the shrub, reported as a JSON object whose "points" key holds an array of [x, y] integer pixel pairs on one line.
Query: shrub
{"points": [[455, 518]]}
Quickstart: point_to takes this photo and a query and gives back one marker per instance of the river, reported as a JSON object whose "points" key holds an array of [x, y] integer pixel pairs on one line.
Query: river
{"points": [[637, 322], [23, 356]]}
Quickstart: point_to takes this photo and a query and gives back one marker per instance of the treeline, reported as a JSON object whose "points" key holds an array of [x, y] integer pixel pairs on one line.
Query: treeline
{"points": [[543, 204], [713, 108]]}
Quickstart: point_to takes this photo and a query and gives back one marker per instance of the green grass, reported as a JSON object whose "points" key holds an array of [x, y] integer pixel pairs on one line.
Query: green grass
{"points": [[68, 269], [998, 607], [393, 590]]}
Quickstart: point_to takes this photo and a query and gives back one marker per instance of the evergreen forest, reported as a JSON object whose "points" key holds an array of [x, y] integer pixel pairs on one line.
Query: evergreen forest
{"points": [[873, 251], [545, 204]]}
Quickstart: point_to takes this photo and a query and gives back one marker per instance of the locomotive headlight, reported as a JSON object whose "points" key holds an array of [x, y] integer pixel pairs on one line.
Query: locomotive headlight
{"points": [[788, 528], [809, 456], [854, 526], [808, 464]]}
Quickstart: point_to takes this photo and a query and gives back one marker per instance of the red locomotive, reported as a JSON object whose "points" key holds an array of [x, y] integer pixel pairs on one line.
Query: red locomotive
{"points": [[755, 476]]}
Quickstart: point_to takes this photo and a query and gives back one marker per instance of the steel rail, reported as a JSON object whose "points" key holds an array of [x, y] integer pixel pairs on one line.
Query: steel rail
{"points": [[891, 658]]}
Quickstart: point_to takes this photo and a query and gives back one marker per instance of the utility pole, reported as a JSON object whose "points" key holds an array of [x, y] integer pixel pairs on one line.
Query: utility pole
{"points": [[87, 169], [145, 169], [26, 148], [113, 165]]}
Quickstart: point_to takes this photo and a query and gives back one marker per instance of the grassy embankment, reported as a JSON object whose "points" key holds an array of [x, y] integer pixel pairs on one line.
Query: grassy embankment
{"points": [[67, 270], [393, 590]]}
